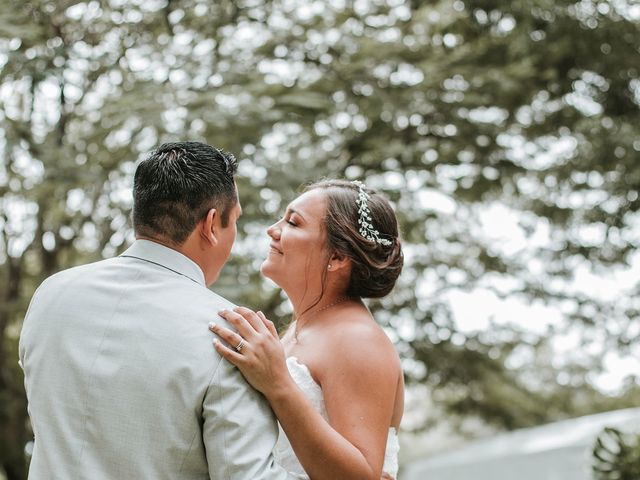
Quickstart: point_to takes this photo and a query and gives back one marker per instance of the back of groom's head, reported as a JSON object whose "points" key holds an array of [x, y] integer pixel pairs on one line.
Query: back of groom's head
{"points": [[175, 187]]}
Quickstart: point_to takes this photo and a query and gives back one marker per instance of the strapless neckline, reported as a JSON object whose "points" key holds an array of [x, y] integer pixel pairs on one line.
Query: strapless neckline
{"points": [[284, 453]]}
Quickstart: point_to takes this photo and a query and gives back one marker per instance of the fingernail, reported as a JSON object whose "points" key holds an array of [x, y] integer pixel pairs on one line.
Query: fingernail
{"points": [[216, 342], [222, 312], [212, 326]]}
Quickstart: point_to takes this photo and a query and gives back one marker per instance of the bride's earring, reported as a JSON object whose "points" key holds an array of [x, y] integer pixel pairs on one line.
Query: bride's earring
{"points": [[329, 267]]}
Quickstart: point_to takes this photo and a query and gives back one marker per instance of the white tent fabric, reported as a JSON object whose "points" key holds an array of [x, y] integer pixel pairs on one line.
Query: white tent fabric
{"points": [[557, 451]]}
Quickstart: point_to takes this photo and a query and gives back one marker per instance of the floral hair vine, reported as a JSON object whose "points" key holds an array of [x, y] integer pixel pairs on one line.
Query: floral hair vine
{"points": [[364, 217]]}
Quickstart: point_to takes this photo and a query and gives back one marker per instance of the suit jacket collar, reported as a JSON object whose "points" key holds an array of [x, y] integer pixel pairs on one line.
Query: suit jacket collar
{"points": [[166, 257]]}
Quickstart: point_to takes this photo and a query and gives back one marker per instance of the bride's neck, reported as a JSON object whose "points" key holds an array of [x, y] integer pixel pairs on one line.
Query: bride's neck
{"points": [[305, 304]]}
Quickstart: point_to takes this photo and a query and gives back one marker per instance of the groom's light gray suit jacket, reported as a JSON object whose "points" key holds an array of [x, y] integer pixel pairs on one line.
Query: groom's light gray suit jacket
{"points": [[123, 382]]}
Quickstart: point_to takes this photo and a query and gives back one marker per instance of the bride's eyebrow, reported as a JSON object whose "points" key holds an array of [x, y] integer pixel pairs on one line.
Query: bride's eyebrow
{"points": [[293, 210]]}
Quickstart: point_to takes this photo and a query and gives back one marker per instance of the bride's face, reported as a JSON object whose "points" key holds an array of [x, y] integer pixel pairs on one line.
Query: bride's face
{"points": [[297, 253]]}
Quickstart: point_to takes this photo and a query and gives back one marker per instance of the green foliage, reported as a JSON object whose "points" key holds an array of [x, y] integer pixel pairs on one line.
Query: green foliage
{"points": [[616, 456]]}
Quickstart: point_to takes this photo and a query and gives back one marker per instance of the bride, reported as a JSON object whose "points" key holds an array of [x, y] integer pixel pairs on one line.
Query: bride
{"points": [[334, 379]]}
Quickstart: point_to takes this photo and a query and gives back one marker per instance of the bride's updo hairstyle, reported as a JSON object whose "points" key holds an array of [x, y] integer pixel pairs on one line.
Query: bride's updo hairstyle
{"points": [[376, 257]]}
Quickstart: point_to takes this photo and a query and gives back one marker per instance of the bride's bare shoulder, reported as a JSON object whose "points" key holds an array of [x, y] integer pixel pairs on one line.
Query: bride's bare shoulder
{"points": [[354, 338]]}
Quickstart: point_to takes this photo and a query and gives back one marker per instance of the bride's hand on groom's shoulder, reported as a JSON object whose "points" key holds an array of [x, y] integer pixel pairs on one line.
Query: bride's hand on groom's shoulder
{"points": [[254, 348]]}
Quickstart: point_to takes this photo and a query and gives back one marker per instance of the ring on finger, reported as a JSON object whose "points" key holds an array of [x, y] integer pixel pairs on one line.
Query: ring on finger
{"points": [[240, 345]]}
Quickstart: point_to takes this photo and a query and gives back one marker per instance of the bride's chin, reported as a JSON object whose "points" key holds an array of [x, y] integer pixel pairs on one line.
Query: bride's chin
{"points": [[265, 269], [268, 272]]}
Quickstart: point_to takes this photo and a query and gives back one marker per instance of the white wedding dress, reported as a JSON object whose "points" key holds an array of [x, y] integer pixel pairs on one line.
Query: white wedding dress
{"points": [[284, 453]]}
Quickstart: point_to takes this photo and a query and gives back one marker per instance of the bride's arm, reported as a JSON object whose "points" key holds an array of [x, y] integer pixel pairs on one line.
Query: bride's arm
{"points": [[359, 377]]}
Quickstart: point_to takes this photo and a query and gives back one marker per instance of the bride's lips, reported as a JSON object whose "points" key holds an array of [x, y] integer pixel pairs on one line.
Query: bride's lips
{"points": [[274, 249]]}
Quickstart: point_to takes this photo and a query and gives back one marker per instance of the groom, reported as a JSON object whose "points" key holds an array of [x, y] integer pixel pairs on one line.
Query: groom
{"points": [[121, 376]]}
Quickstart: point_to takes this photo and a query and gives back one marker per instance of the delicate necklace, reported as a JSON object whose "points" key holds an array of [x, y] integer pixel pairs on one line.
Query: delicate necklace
{"points": [[296, 329]]}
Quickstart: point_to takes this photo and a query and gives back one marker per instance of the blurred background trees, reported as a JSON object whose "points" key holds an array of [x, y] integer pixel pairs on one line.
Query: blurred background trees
{"points": [[507, 134]]}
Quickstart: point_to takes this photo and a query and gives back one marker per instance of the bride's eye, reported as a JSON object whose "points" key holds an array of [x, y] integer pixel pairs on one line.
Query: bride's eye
{"points": [[287, 217], [290, 221]]}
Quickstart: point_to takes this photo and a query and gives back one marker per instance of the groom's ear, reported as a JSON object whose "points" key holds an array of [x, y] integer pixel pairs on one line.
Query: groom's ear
{"points": [[209, 227]]}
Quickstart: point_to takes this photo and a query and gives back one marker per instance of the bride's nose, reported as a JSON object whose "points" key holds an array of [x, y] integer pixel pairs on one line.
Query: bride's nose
{"points": [[274, 231]]}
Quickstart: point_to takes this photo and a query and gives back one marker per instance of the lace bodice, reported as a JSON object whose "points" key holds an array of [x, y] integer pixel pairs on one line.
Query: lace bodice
{"points": [[284, 453]]}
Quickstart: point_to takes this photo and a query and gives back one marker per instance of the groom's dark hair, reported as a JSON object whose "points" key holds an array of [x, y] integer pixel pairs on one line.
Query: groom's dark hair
{"points": [[175, 187]]}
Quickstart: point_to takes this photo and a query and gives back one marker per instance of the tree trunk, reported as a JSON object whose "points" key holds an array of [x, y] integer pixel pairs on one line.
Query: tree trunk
{"points": [[13, 406]]}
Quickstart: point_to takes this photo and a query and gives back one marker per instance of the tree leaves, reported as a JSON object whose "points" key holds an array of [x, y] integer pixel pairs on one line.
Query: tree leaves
{"points": [[616, 455]]}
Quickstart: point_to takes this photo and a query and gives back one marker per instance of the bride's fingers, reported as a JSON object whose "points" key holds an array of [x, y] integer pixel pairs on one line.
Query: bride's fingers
{"points": [[229, 354], [268, 323], [237, 321], [251, 317], [232, 338]]}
